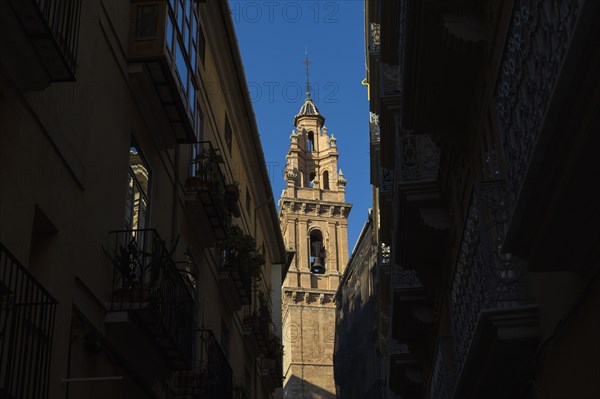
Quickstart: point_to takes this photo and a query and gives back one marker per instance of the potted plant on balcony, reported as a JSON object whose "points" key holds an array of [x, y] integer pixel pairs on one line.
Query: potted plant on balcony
{"points": [[206, 167], [240, 252], [232, 197]]}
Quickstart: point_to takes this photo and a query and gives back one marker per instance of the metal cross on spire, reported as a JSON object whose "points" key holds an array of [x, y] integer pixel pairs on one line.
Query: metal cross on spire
{"points": [[307, 62]]}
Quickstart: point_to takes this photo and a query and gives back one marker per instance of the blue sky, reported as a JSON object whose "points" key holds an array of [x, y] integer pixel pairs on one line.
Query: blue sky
{"points": [[272, 36]]}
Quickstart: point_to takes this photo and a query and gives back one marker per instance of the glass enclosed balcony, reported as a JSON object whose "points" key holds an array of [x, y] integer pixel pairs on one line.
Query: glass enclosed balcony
{"points": [[163, 52]]}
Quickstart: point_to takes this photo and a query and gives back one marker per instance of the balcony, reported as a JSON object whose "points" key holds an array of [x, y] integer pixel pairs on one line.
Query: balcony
{"points": [[257, 326], [417, 157], [241, 264], [211, 377], [405, 371], [27, 314], [205, 193], [148, 285], [421, 215], [441, 383], [495, 320], [163, 48], [271, 373], [537, 45], [548, 60], [412, 317], [44, 36]]}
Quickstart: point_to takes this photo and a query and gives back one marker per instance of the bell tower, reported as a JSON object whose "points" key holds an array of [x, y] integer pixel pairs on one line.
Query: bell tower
{"points": [[314, 221]]}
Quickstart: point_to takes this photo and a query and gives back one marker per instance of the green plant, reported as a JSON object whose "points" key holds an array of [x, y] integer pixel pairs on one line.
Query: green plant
{"points": [[242, 247], [274, 347], [207, 163]]}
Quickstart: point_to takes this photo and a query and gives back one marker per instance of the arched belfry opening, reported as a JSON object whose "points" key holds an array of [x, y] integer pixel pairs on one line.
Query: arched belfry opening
{"points": [[326, 180], [311, 142], [311, 178], [316, 252]]}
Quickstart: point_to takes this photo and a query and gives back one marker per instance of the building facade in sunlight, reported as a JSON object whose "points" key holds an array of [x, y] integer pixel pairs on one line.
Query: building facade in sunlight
{"points": [[140, 249], [314, 222]]}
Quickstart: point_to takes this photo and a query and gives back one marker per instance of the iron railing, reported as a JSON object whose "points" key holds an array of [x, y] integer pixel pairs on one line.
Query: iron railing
{"points": [[206, 178], [484, 278], [55, 20], [537, 43], [441, 384], [146, 280], [27, 314], [404, 279], [418, 158], [212, 377], [257, 321], [273, 367]]}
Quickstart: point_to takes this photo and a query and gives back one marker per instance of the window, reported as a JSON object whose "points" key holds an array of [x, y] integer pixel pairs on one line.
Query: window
{"points": [[145, 25], [311, 177], [138, 191], [311, 142], [316, 252], [326, 180], [182, 43], [228, 134]]}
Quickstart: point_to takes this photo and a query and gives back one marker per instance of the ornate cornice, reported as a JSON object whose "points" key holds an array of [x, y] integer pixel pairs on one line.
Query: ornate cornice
{"points": [[302, 296], [317, 208]]}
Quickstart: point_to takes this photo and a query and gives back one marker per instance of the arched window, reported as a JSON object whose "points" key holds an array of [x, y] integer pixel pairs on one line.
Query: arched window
{"points": [[326, 180], [311, 141], [311, 177], [316, 253]]}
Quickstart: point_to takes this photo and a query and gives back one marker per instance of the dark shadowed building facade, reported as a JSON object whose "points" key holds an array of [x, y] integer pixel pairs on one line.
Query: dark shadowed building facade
{"points": [[484, 127]]}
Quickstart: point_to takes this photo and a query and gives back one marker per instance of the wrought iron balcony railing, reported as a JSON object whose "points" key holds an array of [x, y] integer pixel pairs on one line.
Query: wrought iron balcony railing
{"points": [[484, 279], [272, 372], [207, 188], [211, 377], [258, 323], [27, 314], [147, 282], [238, 274], [441, 384], [53, 28], [417, 158], [537, 42]]}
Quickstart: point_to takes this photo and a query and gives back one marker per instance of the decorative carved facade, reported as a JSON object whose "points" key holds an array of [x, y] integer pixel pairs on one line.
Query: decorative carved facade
{"points": [[483, 131]]}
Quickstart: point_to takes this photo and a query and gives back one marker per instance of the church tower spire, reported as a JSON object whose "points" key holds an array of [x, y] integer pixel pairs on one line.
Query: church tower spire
{"points": [[314, 221], [307, 62]]}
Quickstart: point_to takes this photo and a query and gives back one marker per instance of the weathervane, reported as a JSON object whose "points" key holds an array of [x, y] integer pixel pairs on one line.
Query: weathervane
{"points": [[307, 63]]}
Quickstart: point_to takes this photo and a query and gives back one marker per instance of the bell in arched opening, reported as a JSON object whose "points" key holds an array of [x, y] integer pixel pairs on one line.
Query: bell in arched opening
{"points": [[317, 253]]}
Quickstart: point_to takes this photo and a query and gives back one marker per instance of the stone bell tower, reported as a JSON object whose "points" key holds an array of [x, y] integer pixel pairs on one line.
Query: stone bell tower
{"points": [[314, 221]]}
